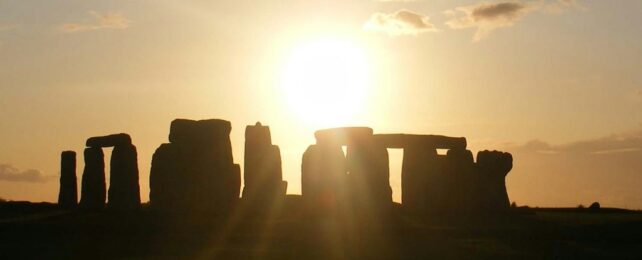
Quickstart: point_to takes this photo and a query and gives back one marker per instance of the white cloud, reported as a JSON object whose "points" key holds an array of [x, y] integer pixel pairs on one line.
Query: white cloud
{"points": [[487, 17], [10, 173], [100, 21], [402, 22]]}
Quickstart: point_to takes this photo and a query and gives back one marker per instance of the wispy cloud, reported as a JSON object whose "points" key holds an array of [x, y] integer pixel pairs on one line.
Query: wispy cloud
{"points": [[487, 17], [100, 21], [402, 22], [599, 169], [10, 173]]}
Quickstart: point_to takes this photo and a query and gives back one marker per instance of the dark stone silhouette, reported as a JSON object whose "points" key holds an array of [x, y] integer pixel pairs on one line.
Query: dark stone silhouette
{"points": [[109, 140], [324, 180], [419, 166], [493, 166], [459, 182], [93, 180], [404, 141], [124, 191], [357, 181], [195, 170], [68, 194], [428, 182], [263, 174]]}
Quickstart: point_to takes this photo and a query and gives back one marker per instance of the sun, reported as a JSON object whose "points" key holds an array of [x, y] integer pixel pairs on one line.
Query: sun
{"points": [[325, 82]]}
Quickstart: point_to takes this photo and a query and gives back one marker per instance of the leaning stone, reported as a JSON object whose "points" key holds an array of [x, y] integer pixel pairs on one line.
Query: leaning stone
{"points": [[93, 180], [124, 191], [68, 195], [109, 140]]}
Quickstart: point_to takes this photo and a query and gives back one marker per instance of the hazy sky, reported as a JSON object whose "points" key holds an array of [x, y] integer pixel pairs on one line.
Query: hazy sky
{"points": [[557, 83]]}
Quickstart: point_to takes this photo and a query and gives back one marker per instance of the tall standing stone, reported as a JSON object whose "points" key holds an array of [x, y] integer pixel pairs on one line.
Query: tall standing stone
{"points": [[458, 181], [263, 174], [68, 195], [418, 166], [93, 180], [324, 180], [195, 171], [124, 191], [493, 166]]}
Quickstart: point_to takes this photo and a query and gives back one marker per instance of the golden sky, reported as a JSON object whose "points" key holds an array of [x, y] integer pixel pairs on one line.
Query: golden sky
{"points": [[557, 83]]}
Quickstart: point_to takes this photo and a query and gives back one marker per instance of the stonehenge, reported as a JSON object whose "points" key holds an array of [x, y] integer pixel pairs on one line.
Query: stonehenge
{"points": [[195, 170], [431, 182], [124, 190], [346, 171], [263, 177], [68, 194]]}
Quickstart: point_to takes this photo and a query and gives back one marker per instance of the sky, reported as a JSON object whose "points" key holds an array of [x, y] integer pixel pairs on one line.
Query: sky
{"points": [[558, 83]]}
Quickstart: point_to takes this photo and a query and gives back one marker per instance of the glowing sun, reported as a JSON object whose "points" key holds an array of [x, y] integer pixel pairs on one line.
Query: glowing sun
{"points": [[325, 81]]}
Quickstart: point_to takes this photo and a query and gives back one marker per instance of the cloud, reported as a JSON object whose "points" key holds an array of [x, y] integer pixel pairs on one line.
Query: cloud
{"points": [[10, 173], [606, 169], [487, 17], [402, 22], [100, 21]]}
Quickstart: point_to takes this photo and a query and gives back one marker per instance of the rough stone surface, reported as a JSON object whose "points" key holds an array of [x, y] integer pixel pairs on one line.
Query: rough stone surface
{"points": [[68, 195], [195, 171], [418, 166], [124, 191], [263, 172], [324, 177], [459, 181], [93, 180], [369, 175], [109, 140], [493, 166]]}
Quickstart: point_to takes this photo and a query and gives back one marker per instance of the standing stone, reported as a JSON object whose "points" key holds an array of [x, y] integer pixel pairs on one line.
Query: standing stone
{"points": [[124, 191], [68, 195], [93, 180], [166, 186], [195, 171], [369, 176], [418, 165], [263, 175], [363, 181], [493, 166], [324, 178], [459, 180]]}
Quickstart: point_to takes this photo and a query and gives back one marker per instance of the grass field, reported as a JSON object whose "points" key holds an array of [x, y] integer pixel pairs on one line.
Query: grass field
{"points": [[45, 232]]}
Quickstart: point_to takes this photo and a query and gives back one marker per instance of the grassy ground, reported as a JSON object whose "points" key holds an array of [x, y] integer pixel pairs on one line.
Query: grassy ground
{"points": [[45, 232]]}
